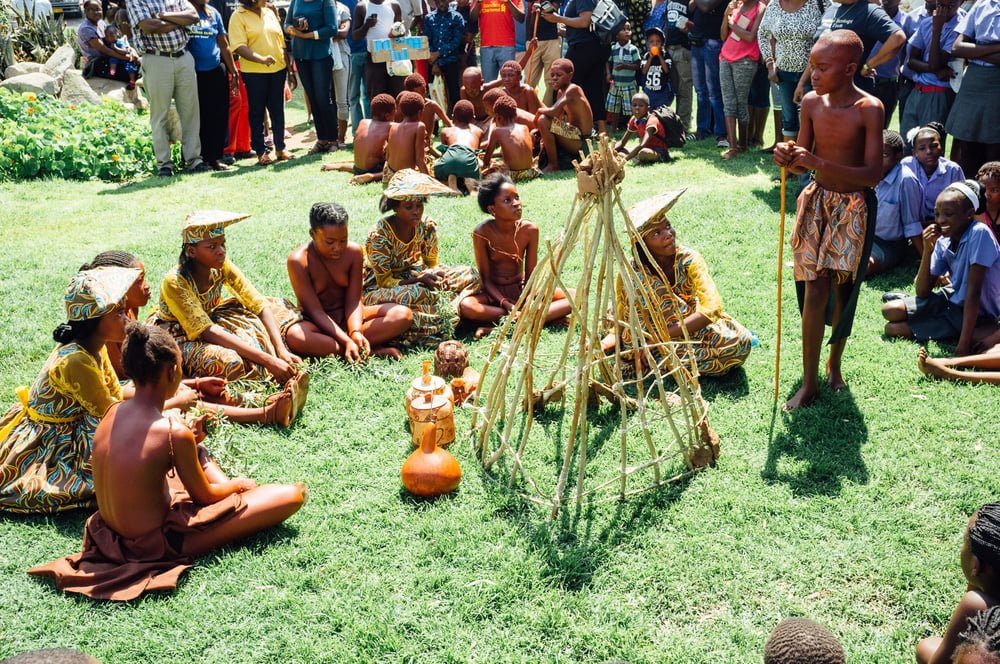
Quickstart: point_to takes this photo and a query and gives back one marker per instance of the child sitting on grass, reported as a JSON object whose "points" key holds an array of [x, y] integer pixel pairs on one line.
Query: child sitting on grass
{"points": [[564, 125], [510, 83], [432, 110], [472, 90], [506, 249], [933, 171], [621, 69], [514, 141], [980, 560], [899, 204], [370, 141], [652, 147], [459, 159], [989, 178], [326, 277], [161, 500], [407, 144], [967, 251]]}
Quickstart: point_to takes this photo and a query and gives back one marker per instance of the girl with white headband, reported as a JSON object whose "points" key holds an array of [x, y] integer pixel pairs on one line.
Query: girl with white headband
{"points": [[967, 252]]}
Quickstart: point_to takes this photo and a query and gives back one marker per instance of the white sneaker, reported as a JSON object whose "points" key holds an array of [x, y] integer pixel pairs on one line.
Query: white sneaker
{"points": [[723, 143]]}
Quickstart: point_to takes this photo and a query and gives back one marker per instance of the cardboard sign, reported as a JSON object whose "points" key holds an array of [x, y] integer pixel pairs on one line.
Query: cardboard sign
{"points": [[394, 49]]}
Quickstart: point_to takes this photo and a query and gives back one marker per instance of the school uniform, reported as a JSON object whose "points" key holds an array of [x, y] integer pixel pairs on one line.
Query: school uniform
{"points": [[932, 97], [898, 218], [932, 185]]}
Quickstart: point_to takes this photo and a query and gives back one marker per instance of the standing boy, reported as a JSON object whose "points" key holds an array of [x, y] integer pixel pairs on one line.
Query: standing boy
{"points": [[655, 72], [622, 66], [841, 140]]}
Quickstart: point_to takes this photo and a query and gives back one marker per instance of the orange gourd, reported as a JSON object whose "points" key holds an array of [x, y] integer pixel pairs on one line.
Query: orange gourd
{"points": [[430, 471]]}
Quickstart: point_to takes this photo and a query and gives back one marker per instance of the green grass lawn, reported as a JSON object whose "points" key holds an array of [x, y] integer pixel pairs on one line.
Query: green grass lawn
{"points": [[850, 512]]}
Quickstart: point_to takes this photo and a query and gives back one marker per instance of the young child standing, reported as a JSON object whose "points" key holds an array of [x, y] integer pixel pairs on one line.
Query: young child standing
{"points": [[968, 253], [514, 141], [899, 201], [326, 277], [652, 147], [622, 67], [370, 141], [980, 561], [655, 71], [989, 178], [933, 171], [506, 248], [407, 143], [840, 139]]}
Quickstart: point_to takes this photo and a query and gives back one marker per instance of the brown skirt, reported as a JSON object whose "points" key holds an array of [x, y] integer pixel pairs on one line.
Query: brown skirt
{"points": [[122, 568]]}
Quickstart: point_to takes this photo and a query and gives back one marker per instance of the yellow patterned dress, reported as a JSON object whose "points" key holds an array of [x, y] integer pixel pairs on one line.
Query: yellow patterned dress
{"points": [[46, 438], [186, 313], [716, 348], [389, 261]]}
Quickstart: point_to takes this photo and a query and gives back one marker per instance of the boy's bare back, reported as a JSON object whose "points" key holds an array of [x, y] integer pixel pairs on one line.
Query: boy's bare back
{"points": [[370, 143], [406, 147], [514, 141], [470, 136], [477, 102]]}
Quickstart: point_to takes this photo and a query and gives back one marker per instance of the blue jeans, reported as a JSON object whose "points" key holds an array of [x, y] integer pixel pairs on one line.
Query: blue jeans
{"points": [[316, 77], [492, 58], [705, 75], [357, 95], [787, 80]]}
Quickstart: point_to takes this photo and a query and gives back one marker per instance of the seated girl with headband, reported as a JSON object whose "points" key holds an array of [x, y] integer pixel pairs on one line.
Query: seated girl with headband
{"points": [[966, 250]]}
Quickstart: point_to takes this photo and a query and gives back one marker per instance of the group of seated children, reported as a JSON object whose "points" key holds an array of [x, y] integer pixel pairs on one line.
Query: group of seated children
{"points": [[505, 115]]}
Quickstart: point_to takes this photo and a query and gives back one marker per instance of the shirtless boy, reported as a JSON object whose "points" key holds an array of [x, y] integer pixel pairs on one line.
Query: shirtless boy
{"points": [[369, 143], [841, 140], [460, 159], [326, 277], [161, 500], [407, 146], [506, 248], [514, 141], [510, 82], [432, 110], [472, 90], [568, 121]]}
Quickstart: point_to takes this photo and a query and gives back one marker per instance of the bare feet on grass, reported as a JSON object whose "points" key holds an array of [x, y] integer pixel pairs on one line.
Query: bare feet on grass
{"points": [[387, 351], [484, 331], [365, 178], [804, 397], [835, 379], [930, 366]]}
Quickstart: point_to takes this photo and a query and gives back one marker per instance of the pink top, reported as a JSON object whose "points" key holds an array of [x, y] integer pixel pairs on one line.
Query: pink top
{"points": [[735, 48]]}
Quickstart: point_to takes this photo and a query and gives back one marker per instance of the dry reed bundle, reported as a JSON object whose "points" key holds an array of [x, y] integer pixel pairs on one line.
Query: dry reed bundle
{"points": [[636, 376]]}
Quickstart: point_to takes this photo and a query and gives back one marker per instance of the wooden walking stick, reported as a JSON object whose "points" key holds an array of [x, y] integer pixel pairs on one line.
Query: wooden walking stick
{"points": [[534, 36], [781, 261]]}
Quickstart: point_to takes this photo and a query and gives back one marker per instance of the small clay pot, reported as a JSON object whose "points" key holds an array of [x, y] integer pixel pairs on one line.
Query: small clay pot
{"points": [[450, 359], [430, 471]]}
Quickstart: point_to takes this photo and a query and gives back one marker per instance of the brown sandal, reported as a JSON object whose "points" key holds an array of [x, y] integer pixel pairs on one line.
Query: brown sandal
{"points": [[265, 160]]}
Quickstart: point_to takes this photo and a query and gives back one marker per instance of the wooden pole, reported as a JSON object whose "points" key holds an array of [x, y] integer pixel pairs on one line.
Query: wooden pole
{"points": [[781, 262], [534, 36]]}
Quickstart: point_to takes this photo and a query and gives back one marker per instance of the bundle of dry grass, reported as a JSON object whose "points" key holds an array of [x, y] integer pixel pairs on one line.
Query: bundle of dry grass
{"points": [[657, 411]]}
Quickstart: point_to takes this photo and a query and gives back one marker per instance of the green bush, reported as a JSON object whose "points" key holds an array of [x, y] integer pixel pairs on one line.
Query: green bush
{"points": [[45, 137]]}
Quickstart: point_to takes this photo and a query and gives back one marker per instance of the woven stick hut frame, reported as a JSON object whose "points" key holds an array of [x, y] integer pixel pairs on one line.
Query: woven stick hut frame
{"points": [[662, 425]]}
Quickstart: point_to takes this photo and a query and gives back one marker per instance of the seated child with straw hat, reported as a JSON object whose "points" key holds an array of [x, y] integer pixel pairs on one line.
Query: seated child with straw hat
{"points": [[402, 267], [673, 282], [506, 248], [161, 500]]}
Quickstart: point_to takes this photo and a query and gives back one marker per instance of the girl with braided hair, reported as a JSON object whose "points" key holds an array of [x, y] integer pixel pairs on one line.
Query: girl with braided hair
{"points": [[980, 559], [981, 641]]}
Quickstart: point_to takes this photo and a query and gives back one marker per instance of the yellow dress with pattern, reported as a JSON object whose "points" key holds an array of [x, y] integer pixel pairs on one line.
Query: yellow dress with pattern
{"points": [[716, 348], [46, 439], [389, 261], [186, 313]]}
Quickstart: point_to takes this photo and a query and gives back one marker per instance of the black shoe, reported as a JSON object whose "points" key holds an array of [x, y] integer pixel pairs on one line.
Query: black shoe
{"points": [[165, 172], [249, 154], [200, 167], [228, 159], [892, 295]]}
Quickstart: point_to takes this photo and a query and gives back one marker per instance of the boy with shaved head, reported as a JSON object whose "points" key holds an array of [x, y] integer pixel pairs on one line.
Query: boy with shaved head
{"points": [[564, 125], [841, 141]]}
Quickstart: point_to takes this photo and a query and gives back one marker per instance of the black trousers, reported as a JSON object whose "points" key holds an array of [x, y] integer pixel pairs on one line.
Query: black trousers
{"points": [[266, 92], [887, 91], [589, 72], [452, 75], [377, 79], [213, 105]]}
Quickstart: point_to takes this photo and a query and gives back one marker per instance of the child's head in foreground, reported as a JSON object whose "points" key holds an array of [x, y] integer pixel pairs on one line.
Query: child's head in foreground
{"points": [[150, 354], [490, 98], [640, 105], [111, 34], [980, 642], [328, 229], [956, 207], [654, 40], [834, 58], [928, 145], [989, 177], [624, 35], [410, 104], [561, 73], [980, 556], [383, 107], [802, 641], [498, 197], [464, 112], [505, 109], [892, 150], [415, 83], [510, 74]]}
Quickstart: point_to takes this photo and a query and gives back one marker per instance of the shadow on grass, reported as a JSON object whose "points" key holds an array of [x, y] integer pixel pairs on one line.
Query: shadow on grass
{"points": [[821, 444], [732, 384]]}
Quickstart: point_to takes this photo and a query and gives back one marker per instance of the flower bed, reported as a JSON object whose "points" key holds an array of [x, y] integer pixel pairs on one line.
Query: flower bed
{"points": [[45, 137]]}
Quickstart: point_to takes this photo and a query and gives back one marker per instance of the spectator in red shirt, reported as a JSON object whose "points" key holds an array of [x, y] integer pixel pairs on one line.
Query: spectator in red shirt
{"points": [[496, 33]]}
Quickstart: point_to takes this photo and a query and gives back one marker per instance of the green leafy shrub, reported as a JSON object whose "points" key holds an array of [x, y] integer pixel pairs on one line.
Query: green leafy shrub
{"points": [[24, 37], [41, 136]]}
